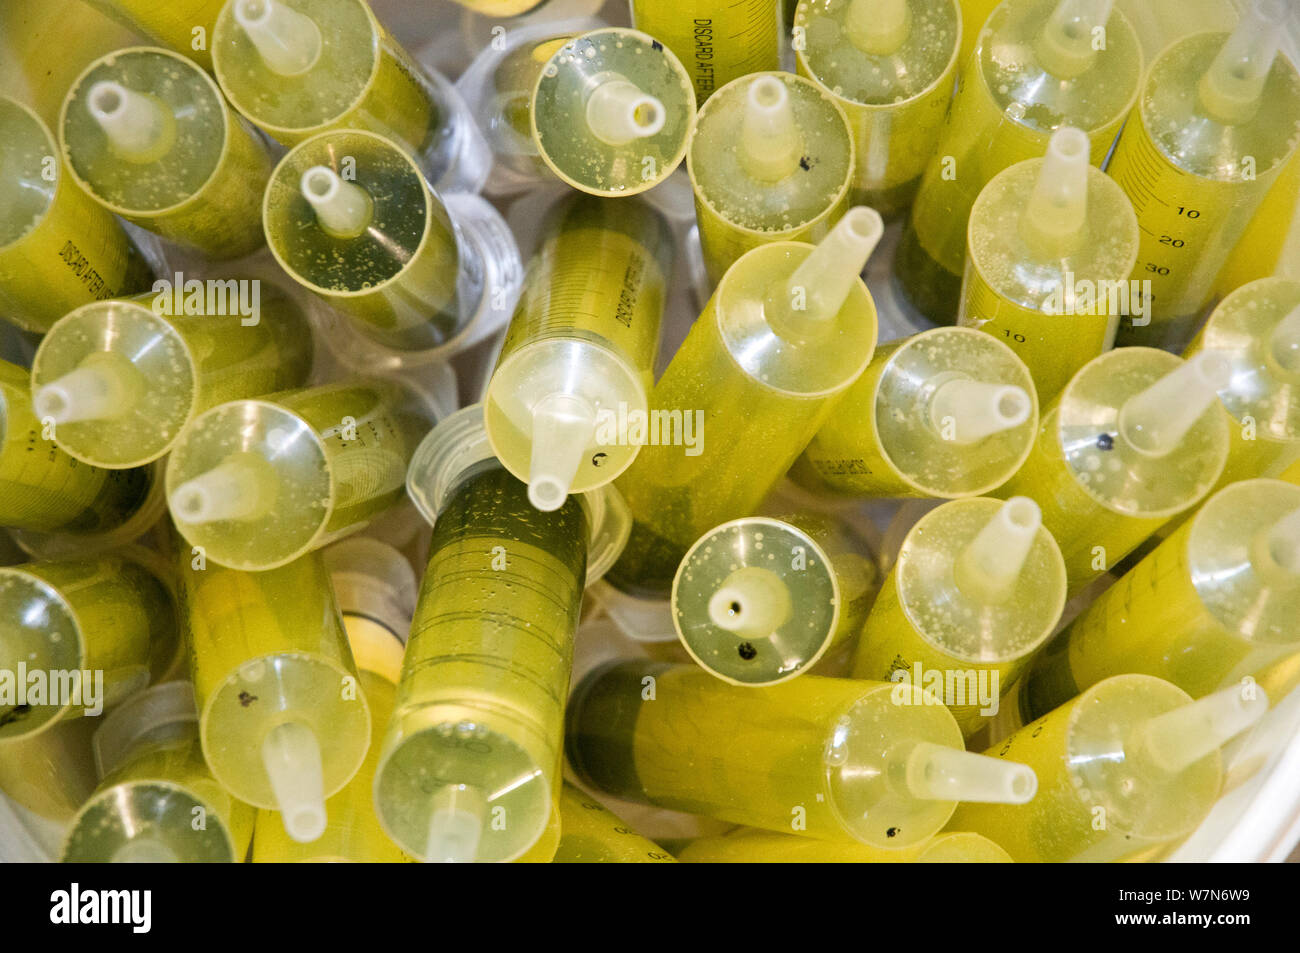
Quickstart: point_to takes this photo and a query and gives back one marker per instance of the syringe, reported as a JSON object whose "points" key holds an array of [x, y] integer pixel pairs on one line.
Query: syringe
{"points": [[579, 355], [255, 484], [501, 8], [830, 758], [1051, 245], [58, 248], [471, 759], [592, 834], [1213, 604], [788, 330], [158, 802], [296, 68], [609, 111], [50, 772], [718, 40], [117, 382], [1197, 157], [1037, 68], [185, 26], [945, 413], [97, 629], [350, 216], [283, 720], [1130, 764], [771, 160], [758, 601], [44, 490], [147, 133], [978, 586], [891, 66], [749, 846], [1136, 437]]}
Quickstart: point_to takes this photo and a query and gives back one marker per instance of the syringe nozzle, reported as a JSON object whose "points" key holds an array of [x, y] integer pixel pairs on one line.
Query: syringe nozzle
{"points": [[878, 27], [824, 281], [1178, 739], [138, 127], [990, 565], [1282, 542], [966, 411], [144, 850], [1067, 45], [93, 391], [752, 602], [770, 141], [1056, 215], [233, 490], [563, 427], [938, 773], [455, 825], [292, 759], [288, 42], [343, 209], [1155, 421], [618, 112], [1232, 88], [1284, 344]]}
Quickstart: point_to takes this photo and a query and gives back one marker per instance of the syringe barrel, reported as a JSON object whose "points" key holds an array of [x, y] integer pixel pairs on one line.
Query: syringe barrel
{"points": [[58, 248], [199, 190], [749, 846], [481, 699], [268, 648], [738, 211], [592, 834], [1088, 764], [587, 327], [895, 102], [174, 24], [112, 619], [52, 772]]}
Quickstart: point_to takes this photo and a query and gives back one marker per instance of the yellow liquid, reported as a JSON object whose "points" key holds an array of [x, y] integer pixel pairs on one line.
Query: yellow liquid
{"points": [[592, 834], [1258, 253], [717, 40], [768, 847], [52, 772], [185, 26]]}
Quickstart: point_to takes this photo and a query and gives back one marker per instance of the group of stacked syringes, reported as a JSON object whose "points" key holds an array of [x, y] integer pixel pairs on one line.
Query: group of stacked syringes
{"points": [[1060, 527]]}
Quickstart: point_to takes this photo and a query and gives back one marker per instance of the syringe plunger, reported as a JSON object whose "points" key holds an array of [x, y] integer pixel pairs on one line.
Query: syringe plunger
{"points": [[135, 124], [1056, 215], [939, 773], [966, 411], [563, 426], [455, 824], [752, 602], [1233, 86], [770, 141], [990, 565], [619, 112], [1155, 421], [1181, 737], [344, 209], [823, 282], [292, 758], [288, 42]]}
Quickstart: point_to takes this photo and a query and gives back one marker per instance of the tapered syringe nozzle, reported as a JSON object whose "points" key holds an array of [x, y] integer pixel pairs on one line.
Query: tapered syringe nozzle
{"points": [[990, 565], [232, 490], [343, 209], [1055, 219], [93, 391], [1155, 421], [1178, 739], [939, 773], [144, 850], [292, 759], [878, 27], [288, 42], [1232, 89], [814, 294], [1281, 546], [966, 411], [137, 126], [455, 824], [563, 427], [1067, 45], [619, 112], [752, 602], [1284, 345], [770, 141]]}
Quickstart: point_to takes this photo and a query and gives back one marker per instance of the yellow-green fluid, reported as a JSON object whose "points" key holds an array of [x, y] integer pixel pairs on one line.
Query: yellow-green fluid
{"points": [[1195, 181], [58, 248], [266, 649], [738, 211], [1258, 253], [760, 396], [1007, 106], [486, 674], [108, 615], [895, 102], [50, 773], [362, 79], [592, 834], [745, 846], [812, 756], [1100, 796], [201, 191], [717, 40], [500, 8], [174, 366], [185, 26]]}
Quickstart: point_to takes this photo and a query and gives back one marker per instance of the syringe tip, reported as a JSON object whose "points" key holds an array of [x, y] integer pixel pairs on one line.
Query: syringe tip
{"points": [[86, 393], [966, 411], [136, 125], [770, 140], [144, 850], [563, 426], [619, 112], [1156, 420], [230, 491], [455, 825], [1284, 343], [1179, 738], [288, 42], [752, 602], [939, 773], [343, 208], [291, 756]]}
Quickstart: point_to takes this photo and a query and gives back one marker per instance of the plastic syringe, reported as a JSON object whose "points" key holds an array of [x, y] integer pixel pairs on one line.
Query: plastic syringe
{"points": [[44, 490], [830, 758], [51, 772], [185, 26], [147, 133], [1130, 764], [109, 623], [1051, 244], [788, 330], [296, 68], [1036, 68], [945, 413], [758, 601], [1213, 604], [471, 759], [978, 586], [58, 248], [120, 381], [592, 834], [350, 216], [718, 40], [891, 66], [1136, 437], [157, 802], [257, 483], [1218, 119], [749, 846], [608, 111], [283, 720], [771, 160], [580, 351]]}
